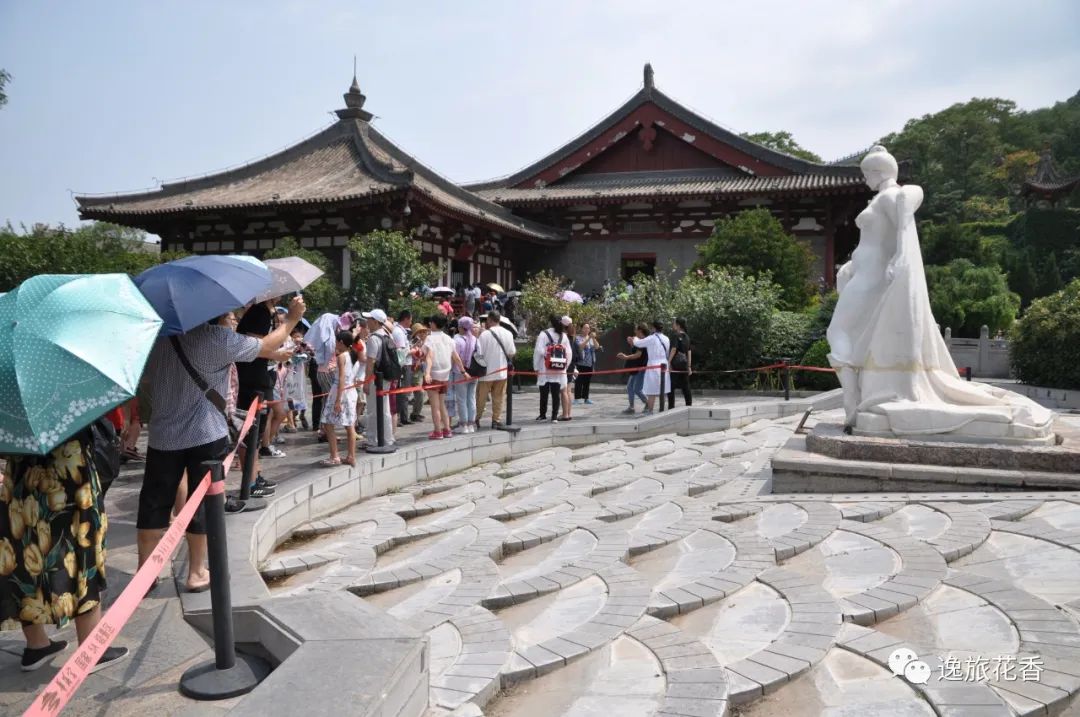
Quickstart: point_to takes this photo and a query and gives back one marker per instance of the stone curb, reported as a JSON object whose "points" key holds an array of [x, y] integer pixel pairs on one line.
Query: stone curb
{"points": [[475, 676], [922, 569], [545, 528], [612, 548], [948, 699], [696, 682], [811, 631], [968, 529], [752, 556], [625, 604]]}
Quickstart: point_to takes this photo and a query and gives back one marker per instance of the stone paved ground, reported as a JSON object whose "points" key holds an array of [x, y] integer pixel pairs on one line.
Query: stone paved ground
{"points": [[656, 578], [660, 577]]}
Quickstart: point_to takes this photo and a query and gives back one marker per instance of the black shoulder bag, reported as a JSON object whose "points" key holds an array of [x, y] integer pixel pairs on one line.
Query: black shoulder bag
{"points": [[211, 394]]}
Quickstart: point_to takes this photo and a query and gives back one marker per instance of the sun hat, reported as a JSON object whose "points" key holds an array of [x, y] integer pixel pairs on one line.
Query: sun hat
{"points": [[375, 315]]}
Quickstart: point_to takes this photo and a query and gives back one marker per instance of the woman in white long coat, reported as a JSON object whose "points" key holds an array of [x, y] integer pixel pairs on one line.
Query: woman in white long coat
{"points": [[656, 346]]}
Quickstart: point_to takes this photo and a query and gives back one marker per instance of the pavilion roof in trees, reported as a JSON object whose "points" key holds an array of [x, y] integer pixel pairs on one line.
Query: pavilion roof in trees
{"points": [[713, 162], [1047, 179], [348, 163]]}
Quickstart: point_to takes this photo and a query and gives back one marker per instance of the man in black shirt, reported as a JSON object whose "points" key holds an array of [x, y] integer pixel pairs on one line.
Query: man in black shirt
{"points": [[679, 360], [258, 321]]}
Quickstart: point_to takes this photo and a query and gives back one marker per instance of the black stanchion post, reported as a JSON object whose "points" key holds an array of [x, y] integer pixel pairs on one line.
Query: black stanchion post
{"points": [[226, 676], [785, 374], [380, 417], [663, 393], [967, 372], [508, 424]]}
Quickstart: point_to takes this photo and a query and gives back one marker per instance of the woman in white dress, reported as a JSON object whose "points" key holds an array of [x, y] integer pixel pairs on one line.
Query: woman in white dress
{"points": [[657, 347], [896, 372]]}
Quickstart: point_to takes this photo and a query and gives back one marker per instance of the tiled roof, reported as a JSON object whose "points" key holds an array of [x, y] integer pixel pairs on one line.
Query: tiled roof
{"points": [[1048, 178], [350, 160], [679, 184], [649, 93]]}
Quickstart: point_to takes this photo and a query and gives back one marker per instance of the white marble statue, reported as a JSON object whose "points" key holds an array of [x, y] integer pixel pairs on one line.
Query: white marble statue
{"points": [[895, 369]]}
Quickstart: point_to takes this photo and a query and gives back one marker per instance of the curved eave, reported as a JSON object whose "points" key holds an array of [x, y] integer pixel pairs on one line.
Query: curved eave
{"points": [[504, 227], [100, 212], [853, 189]]}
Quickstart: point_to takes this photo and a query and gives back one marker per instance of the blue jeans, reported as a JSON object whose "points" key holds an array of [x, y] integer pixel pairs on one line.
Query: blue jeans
{"points": [[465, 400], [634, 386]]}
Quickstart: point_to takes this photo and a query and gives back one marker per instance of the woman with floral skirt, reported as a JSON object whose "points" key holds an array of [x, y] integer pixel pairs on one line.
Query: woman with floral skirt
{"points": [[52, 549]]}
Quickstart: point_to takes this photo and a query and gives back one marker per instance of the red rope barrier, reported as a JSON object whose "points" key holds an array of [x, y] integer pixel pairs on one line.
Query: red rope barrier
{"points": [[77, 668]]}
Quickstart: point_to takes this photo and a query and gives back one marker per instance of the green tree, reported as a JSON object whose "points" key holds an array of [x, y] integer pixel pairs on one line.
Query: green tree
{"points": [[5, 78], [540, 301], [1022, 278], [782, 142], [965, 297], [941, 243], [385, 265], [322, 295], [95, 248], [756, 242], [955, 152], [1042, 344]]}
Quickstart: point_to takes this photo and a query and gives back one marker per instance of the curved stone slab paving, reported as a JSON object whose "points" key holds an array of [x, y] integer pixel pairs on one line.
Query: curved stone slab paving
{"points": [[662, 578], [922, 569]]}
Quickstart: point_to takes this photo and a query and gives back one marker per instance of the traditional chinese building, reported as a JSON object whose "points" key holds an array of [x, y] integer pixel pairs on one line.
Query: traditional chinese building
{"points": [[640, 189], [347, 179], [1048, 186], [643, 187]]}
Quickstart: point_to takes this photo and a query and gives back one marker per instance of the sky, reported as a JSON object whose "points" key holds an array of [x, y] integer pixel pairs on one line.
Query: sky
{"points": [[118, 95]]}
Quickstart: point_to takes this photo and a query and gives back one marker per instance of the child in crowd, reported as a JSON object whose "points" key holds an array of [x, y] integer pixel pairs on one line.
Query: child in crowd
{"points": [[339, 410]]}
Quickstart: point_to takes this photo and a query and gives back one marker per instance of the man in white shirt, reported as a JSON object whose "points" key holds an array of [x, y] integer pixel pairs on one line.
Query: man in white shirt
{"points": [[376, 323], [656, 346], [496, 347], [401, 341]]}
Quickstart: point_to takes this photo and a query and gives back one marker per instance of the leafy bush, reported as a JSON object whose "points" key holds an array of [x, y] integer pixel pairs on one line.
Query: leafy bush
{"points": [[965, 297], [816, 355], [98, 248], [539, 301], [386, 265], [756, 242], [789, 334], [1043, 343], [523, 359], [420, 307]]}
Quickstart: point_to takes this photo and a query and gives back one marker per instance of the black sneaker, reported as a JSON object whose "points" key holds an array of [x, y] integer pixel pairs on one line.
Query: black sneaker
{"points": [[261, 491], [263, 483], [35, 658], [110, 657], [541, 417], [303, 422], [233, 505]]}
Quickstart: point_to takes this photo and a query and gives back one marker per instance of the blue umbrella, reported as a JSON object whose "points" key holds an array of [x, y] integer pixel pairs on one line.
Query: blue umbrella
{"points": [[58, 371], [193, 290]]}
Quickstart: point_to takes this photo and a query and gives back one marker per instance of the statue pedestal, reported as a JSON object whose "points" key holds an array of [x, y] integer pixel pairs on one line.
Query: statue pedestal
{"points": [[828, 461], [980, 431]]}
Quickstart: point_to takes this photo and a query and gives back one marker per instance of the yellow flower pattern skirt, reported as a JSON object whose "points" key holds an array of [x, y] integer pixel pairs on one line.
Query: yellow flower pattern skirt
{"points": [[52, 537]]}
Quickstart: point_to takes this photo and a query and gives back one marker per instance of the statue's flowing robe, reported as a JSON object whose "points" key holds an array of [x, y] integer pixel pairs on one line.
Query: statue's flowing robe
{"points": [[904, 367]]}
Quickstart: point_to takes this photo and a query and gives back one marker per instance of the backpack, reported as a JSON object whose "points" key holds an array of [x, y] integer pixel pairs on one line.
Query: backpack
{"points": [[388, 367], [555, 357], [105, 448]]}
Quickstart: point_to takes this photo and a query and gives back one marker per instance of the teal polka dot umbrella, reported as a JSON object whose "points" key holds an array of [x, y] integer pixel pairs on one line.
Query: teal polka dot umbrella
{"points": [[71, 348]]}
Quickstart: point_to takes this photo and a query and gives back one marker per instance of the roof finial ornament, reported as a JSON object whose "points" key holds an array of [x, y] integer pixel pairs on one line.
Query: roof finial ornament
{"points": [[354, 101], [649, 84]]}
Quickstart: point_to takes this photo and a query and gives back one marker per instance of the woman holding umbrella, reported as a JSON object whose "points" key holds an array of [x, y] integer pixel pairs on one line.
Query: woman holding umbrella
{"points": [[56, 379]]}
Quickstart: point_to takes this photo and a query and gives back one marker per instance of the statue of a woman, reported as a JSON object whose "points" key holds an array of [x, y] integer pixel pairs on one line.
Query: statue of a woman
{"points": [[895, 369]]}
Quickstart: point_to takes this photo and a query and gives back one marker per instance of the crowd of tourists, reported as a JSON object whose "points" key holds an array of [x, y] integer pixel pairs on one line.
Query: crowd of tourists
{"points": [[325, 377]]}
